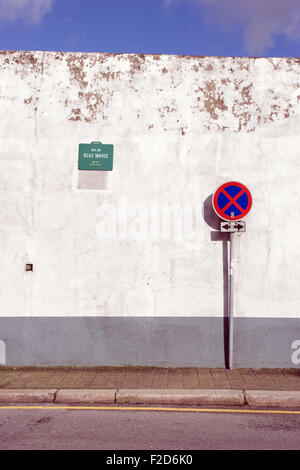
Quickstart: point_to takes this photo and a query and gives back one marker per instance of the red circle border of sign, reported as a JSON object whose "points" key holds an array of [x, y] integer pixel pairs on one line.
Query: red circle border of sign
{"points": [[220, 189]]}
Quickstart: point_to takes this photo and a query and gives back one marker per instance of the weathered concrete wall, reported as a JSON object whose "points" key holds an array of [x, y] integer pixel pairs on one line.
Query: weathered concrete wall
{"points": [[180, 126]]}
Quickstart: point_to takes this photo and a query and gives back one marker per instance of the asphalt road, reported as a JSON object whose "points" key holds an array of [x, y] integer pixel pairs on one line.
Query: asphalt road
{"points": [[51, 428]]}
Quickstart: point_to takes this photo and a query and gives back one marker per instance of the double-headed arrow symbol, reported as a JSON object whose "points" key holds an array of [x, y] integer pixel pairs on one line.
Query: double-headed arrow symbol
{"points": [[238, 226]]}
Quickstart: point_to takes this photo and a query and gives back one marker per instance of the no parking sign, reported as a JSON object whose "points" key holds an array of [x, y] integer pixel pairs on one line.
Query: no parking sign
{"points": [[232, 201]]}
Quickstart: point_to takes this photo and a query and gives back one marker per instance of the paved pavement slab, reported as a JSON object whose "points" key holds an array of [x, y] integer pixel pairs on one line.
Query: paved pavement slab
{"points": [[147, 378]]}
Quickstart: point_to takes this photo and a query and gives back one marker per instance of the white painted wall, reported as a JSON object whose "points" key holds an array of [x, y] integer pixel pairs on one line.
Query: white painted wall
{"points": [[2, 352], [180, 126]]}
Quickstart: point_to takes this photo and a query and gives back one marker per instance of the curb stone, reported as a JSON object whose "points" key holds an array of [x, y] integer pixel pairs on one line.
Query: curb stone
{"points": [[27, 395], [182, 396], [216, 397], [86, 396], [272, 398]]}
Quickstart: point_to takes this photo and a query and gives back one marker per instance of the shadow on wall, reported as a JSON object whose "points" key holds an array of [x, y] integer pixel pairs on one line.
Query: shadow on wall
{"points": [[2, 352], [214, 221]]}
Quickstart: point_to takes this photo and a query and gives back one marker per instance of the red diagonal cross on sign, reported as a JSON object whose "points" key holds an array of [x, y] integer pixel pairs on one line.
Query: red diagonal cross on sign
{"points": [[233, 200]]}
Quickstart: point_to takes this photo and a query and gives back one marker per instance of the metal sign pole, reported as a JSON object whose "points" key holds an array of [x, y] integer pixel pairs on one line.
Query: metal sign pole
{"points": [[231, 286], [235, 198]]}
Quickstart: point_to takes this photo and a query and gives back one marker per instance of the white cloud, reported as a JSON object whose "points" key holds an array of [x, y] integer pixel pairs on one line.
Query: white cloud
{"points": [[292, 29], [31, 11], [260, 20]]}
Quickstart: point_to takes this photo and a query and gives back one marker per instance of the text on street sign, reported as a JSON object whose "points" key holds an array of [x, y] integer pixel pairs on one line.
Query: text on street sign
{"points": [[95, 156]]}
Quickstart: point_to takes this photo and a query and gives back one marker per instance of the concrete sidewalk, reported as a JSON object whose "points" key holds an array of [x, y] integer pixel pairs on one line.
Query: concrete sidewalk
{"points": [[265, 387], [148, 377]]}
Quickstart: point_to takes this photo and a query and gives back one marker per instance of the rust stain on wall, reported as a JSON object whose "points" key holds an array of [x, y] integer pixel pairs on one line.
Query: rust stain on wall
{"points": [[109, 75], [94, 104], [245, 93], [76, 66], [136, 63], [228, 93], [213, 99], [163, 111], [75, 115], [27, 62], [32, 100]]}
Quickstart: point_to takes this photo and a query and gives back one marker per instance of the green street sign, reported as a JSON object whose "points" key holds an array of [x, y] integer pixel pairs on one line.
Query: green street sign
{"points": [[95, 156]]}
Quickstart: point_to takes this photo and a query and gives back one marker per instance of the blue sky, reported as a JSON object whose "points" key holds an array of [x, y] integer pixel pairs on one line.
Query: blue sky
{"points": [[192, 27]]}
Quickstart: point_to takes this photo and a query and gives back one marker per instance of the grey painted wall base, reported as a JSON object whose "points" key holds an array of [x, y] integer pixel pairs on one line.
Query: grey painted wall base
{"points": [[159, 341]]}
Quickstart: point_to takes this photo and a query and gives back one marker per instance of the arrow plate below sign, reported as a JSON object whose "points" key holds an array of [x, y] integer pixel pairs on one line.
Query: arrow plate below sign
{"points": [[233, 226]]}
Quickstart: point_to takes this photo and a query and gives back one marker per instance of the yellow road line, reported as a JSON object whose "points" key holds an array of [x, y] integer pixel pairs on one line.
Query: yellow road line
{"points": [[145, 408]]}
